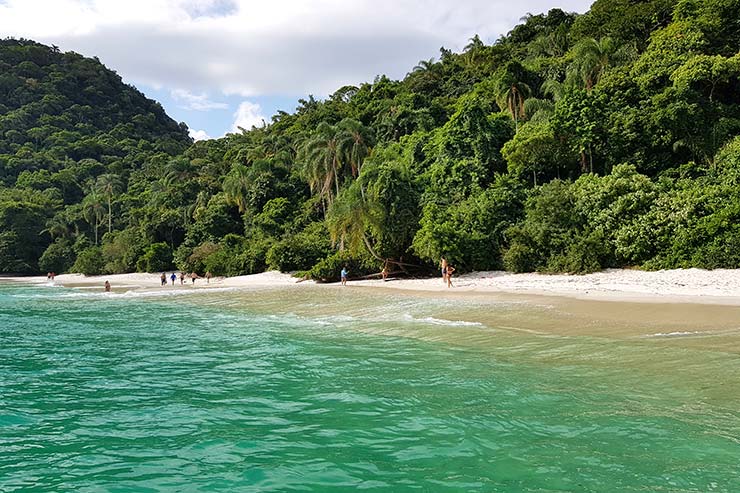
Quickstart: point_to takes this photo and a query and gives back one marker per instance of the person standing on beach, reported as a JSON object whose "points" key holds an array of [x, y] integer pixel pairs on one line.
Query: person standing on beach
{"points": [[163, 279], [443, 266], [450, 270], [182, 278], [107, 287], [173, 278], [384, 272], [344, 274], [193, 276], [208, 277]]}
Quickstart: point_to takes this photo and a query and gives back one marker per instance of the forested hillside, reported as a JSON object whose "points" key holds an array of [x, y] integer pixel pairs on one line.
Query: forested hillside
{"points": [[573, 143]]}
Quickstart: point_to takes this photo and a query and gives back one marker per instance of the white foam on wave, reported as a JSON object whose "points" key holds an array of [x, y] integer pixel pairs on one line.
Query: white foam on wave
{"points": [[677, 334], [336, 320], [441, 321], [79, 294]]}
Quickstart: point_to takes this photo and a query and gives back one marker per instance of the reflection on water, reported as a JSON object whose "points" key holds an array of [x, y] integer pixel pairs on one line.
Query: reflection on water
{"points": [[325, 389]]}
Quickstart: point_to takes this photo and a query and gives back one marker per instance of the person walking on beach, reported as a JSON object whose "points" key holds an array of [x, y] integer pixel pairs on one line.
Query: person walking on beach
{"points": [[182, 278], [107, 287], [208, 277], [384, 272], [344, 274], [193, 276], [450, 270], [163, 279], [173, 278], [443, 266]]}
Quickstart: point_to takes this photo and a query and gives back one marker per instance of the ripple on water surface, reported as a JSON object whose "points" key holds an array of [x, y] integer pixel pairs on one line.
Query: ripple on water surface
{"points": [[286, 392]]}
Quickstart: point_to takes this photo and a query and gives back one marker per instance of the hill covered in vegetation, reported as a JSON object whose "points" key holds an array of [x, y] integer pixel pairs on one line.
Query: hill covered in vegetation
{"points": [[573, 143]]}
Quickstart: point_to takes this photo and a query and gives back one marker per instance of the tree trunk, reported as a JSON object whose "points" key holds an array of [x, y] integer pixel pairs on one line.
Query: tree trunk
{"points": [[110, 216]]}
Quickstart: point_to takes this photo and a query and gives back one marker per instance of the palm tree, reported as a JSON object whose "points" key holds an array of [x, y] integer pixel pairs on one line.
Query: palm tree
{"points": [[474, 44], [322, 165], [424, 66], [355, 143], [236, 186], [553, 88], [109, 184], [180, 169], [591, 58], [349, 218], [553, 44], [538, 110], [510, 96], [58, 227], [93, 210]]}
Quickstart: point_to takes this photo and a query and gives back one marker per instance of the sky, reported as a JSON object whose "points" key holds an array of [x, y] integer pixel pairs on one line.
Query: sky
{"points": [[219, 65]]}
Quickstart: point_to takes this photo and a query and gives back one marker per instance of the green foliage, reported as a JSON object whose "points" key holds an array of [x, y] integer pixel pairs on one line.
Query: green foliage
{"points": [[300, 251], [580, 227], [122, 250], [90, 262], [157, 257], [329, 269], [58, 257], [471, 234], [23, 236]]}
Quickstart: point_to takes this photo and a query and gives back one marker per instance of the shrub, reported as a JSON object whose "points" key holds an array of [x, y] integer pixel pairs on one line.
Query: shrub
{"points": [[328, 269], [300, 251], [58, 257], [90, 262], [156, 258]]}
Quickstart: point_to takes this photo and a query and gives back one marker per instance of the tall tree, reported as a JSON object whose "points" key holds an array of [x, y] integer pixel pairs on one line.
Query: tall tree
{"points": [[591, 58], [322, 161], [511, 93], [355, 143], [93, 210], [108, 185]]}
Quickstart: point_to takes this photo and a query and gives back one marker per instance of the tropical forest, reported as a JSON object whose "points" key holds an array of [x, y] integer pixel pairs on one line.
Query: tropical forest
{"points": [[574, 143]]}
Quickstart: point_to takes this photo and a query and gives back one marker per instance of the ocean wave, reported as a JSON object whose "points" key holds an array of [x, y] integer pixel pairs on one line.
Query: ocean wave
{"points": [[678, 334], [441, 321], [80, 294]]}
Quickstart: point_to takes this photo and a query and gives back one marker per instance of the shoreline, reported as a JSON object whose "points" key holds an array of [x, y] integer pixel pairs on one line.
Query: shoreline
{"points": [[683, 286], [611, 305]]}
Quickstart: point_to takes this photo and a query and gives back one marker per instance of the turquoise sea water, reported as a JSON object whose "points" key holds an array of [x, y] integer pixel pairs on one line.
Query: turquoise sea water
{"points": [[329, 390]]}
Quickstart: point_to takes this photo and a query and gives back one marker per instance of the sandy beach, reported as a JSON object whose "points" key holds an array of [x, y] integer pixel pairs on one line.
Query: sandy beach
{"points": [[669, 286]]}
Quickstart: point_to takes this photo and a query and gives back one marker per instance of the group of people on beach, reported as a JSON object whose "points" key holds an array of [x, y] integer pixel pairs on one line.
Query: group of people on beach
{"points": [[50, 276], [192, 276]]}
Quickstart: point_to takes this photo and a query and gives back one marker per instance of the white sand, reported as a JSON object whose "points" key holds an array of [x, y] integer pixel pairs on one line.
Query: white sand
{"points": [[681, 285], [142, 281], [685, 285]]}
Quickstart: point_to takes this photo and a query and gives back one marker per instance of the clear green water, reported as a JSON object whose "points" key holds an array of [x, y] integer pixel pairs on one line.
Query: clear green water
{"points": [[282, 391]]}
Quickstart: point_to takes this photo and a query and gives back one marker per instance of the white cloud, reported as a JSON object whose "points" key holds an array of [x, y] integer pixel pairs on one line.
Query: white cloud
{"points": [[282, 47], [198, 134], [247, 115], [197, 102]]}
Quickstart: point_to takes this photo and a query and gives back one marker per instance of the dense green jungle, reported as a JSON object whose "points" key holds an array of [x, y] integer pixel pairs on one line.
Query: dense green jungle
{"points": [[572, 144]]}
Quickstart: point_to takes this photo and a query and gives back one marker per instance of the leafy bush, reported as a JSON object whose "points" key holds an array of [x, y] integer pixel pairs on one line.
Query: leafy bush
{"points": [[90, 262], [156, 258], [300, 251], [122, 250], [58, 257], [329, 269]]}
